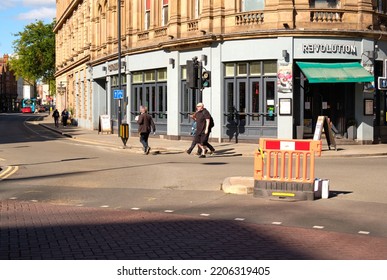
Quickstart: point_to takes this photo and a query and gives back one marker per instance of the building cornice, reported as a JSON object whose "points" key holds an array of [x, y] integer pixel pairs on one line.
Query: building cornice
{"points": [[67, 14], [77, 63]]}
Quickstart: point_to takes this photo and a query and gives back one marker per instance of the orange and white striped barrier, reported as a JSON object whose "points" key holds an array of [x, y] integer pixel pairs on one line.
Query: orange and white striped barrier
{"points": [[285, 168]]}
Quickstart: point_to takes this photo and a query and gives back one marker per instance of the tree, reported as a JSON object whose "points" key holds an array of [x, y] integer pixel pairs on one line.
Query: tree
{"points": [[34, 57]]}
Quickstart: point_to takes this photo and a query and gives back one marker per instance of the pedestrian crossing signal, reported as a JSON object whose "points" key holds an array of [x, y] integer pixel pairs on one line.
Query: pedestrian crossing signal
{"points": [[206, 76]]}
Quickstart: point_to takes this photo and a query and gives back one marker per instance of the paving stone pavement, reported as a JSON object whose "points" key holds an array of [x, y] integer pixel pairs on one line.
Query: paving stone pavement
{"points": [[30, 230]]}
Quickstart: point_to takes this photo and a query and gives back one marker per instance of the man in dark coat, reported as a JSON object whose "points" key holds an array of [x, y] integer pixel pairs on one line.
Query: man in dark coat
{"points": [[203, 129], [56, 116], [145, 127]]}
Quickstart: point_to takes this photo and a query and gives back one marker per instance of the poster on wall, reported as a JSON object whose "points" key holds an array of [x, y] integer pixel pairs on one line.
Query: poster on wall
{"points": [[308, 126], [285, 78]]}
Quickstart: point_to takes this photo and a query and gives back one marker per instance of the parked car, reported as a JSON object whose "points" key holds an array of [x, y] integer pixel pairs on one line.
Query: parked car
{"points": [[41, 109]]}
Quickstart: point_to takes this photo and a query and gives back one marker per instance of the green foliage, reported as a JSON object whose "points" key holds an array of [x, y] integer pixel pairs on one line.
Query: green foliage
{"points": [[35, 53]]}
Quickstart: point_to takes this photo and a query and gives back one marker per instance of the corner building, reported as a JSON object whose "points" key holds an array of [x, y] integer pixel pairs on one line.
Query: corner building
{"points": [[275, 65]]}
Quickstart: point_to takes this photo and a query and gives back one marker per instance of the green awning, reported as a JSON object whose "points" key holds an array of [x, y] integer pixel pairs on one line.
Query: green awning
{"points": [[349, 72]]}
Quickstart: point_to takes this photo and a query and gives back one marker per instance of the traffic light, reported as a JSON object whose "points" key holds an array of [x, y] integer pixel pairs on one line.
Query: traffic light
{"points": [[192, 73], [206, 79], [382, 83]]}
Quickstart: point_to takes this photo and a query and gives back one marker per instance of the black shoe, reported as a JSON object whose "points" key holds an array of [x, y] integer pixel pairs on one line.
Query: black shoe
{"points": [[188, 152], [202, 156], [211, 152], [148, 150]]}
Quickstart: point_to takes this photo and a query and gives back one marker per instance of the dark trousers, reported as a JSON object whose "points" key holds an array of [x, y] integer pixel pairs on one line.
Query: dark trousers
{"points": [[209, 146], [64, 120], [144, 140], [193, 145], [56, 120]]}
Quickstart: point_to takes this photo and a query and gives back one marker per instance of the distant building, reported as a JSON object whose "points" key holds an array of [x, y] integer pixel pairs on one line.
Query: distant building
{"points": [[275, 66], [8, 87]]}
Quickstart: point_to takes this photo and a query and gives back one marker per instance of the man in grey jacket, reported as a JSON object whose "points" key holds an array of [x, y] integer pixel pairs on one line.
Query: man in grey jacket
{"points": [[145, 127]]}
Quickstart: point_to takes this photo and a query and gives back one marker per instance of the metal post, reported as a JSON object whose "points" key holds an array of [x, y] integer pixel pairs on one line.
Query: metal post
{"points": [[119, 62]]}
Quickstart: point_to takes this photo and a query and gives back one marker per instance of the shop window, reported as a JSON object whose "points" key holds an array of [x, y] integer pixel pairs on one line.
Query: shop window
{"points": [[183, 72], [137, 77], [242, 69], [323, 4], [149, 76], [162, 75], [230, 70], [255, 68], [164, 13], [115, 80], [252, 5], [270, 68]]}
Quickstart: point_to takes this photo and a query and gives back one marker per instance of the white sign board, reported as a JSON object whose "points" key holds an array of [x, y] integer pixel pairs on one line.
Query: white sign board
{"points": [[104, 123]]}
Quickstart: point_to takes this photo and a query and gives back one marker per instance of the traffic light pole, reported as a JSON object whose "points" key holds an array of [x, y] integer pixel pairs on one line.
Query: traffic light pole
{"points": [[119, 117]]}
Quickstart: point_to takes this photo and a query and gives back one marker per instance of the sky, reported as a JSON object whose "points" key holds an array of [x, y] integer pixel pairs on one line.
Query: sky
{"points": [[16, 14]]}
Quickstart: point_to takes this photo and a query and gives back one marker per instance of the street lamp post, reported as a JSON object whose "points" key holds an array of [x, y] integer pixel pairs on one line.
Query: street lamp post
{"points": [[119, 62]]}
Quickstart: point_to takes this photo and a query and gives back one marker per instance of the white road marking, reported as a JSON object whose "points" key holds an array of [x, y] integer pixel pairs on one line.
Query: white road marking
{"points": [[364, 232], [79, 205], [318, 227], [105, 206], [276, 223], [34, 200], [13, 198], [9, 172], [204, 215], [169, 211], [239, 219], [135, 209], [8, 169]]}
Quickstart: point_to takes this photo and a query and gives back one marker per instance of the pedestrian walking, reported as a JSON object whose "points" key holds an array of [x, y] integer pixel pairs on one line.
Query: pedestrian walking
{"points": [[56, 116], [193, 133], [145, 127], [65, 117], [204, 123]]}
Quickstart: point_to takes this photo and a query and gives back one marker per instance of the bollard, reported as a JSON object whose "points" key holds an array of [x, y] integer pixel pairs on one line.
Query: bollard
{"points": [[124, 133]]}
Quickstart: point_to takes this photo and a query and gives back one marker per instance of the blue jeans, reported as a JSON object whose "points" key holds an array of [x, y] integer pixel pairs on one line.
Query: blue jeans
{"points": [[144, 140]]}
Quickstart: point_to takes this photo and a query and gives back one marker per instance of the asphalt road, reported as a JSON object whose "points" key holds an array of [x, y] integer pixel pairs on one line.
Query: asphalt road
{"points": [[57, 170]]}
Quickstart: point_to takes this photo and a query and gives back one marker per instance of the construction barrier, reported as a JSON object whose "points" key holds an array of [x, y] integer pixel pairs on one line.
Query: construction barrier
{"points": [[285, 169]]}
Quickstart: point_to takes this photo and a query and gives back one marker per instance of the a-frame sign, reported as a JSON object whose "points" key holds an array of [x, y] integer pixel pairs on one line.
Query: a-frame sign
{"points": [[323, 122]]}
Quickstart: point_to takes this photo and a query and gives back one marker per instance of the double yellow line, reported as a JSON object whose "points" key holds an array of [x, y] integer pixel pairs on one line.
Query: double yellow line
{"points": [[9, 171]]}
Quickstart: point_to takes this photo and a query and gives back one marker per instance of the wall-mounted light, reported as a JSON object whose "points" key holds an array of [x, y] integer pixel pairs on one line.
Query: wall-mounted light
{"points": [[203, 32], [172, 62], [285, 55], [203, 58], [171, 37], [104, 68]]}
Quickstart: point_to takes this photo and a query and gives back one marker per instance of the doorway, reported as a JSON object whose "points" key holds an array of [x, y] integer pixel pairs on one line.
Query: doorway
{"points": [[336, 101], [250, 110]]}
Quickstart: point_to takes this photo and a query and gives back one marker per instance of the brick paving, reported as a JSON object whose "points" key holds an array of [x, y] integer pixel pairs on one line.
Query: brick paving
{"points": [[45, 231]]}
